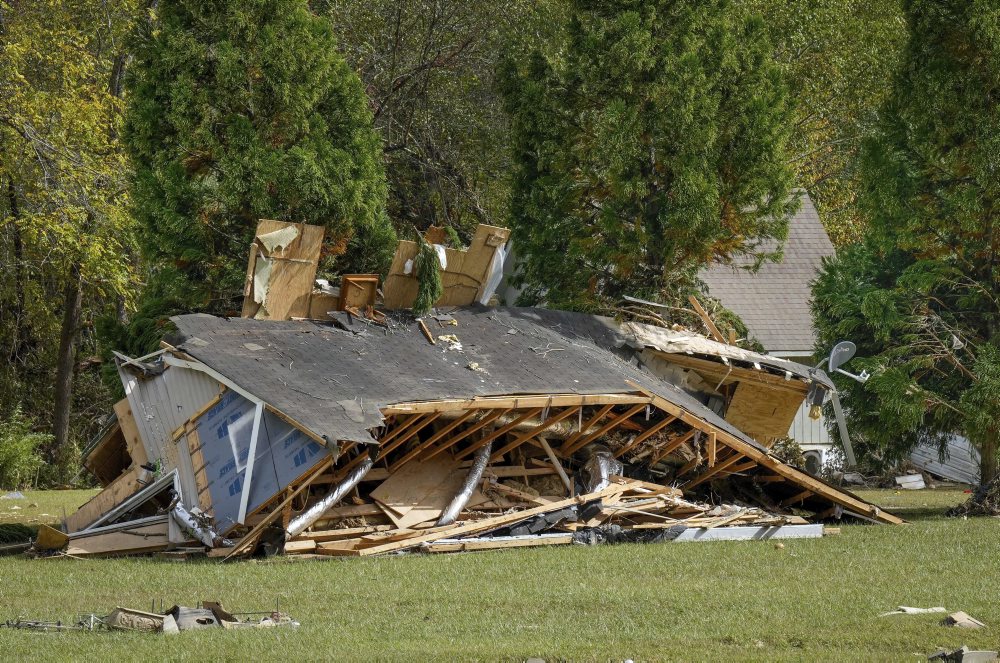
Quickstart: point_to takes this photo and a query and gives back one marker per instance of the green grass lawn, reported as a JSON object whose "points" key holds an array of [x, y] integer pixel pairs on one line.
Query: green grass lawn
{"points": [[815, 599]]}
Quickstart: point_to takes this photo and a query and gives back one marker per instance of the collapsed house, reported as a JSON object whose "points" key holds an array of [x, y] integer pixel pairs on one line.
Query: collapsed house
{"points": [[370, 432]]}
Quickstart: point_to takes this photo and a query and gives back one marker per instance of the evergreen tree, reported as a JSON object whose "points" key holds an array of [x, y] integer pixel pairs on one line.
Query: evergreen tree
{"points": [[242, 110], [920, 295], [649, 144]]}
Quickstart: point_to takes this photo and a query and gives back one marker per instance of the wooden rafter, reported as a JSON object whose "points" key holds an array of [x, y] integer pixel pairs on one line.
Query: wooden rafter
{"points": [[605, 429], [584, 428], [797, 498], [461, 435], [426, 444], [712, 471], [671, 446], [418, 426], [711, 449], [521, 439], [763, 458], [645, 435], [503, 430]]}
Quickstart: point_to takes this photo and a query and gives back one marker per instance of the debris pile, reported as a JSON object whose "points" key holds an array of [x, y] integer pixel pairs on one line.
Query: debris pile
{"points": [[370, 432], [208, 614]]}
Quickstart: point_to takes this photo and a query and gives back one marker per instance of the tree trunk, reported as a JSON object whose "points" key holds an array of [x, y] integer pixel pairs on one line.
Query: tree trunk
{"points": [[17, 352], [988, 457], [65, 364]]}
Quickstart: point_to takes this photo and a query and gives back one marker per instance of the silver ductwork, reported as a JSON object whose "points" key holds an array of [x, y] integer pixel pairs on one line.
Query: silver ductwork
{"points": [[472, 479], [304, 520]]}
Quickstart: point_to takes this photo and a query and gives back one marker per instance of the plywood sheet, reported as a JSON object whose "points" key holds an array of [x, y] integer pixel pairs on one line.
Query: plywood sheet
{"points": [[289, 276], [419, 492], [131, 433], [763, 412], [462, 279]]}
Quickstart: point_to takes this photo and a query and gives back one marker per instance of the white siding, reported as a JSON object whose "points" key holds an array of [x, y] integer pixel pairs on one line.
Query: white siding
{"points": [[162, 404]]}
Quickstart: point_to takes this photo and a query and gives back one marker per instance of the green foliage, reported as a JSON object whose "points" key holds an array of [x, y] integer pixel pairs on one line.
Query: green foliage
{"points": [[427, 268], [19, 445], [920, 295], [63, 203], [651, 143], [428, 67], [240, 111], [838, 57]]}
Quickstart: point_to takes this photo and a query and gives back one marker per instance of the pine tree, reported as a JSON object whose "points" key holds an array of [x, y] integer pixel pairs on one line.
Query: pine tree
{"points": [[242, 110], [921, 294], [651, 143]]}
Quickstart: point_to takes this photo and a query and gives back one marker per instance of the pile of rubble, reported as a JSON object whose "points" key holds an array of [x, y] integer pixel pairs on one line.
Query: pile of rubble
{"points": [[362, 431]]}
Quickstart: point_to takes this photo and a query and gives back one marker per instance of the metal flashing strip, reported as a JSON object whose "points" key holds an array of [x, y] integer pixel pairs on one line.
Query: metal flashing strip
{"points": [[137, 499]]}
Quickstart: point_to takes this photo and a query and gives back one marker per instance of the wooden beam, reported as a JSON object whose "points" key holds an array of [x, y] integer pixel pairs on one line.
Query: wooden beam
{"points": [[482, 442], [711, 449], [251, 538], [672, 446], [385, 450], [796, 498], [606, 428], [794, 475], [749, 465], [645, 435], [497, 521], [584, 428], [426, 444], [521, 439], [703, 314], [716, 372], [485, 421], [712, 471], [516, 402], [556, 464]]}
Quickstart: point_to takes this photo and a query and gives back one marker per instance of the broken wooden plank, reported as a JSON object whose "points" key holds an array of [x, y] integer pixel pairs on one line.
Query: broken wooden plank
{"points": [[493, 523]]}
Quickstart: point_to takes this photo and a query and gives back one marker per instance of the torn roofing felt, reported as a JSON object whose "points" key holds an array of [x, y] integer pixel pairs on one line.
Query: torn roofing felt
{"points": [[334, 381]]}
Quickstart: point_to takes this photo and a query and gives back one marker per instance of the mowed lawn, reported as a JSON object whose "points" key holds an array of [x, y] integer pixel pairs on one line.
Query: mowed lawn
{"points": [[810, 600]]}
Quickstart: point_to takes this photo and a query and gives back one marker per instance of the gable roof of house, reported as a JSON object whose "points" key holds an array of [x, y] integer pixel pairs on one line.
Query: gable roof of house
{"points": [[774, 301]]}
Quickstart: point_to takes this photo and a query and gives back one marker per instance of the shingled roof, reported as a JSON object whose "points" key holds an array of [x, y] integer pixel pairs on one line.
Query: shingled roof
{"points": [[774, 302]]}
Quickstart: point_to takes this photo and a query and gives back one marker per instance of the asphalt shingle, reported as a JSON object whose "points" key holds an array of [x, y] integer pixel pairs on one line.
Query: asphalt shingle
{"points": [[774, 301]]}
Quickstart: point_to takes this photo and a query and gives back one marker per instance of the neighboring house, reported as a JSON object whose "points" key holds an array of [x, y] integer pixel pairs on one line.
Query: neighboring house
{"points": [[774, 304]]}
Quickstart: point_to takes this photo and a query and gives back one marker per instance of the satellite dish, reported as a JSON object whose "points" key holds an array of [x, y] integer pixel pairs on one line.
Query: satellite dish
{"points": [[841, 354]]}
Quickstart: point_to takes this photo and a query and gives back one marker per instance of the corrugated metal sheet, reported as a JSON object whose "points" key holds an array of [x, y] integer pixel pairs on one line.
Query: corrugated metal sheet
{"points": [[961, 462], [162, 404]]}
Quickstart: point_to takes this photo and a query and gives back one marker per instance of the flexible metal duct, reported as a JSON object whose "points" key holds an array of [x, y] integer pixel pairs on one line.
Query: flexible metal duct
{"points": [[190, 524], [316, 511], [472, 479]]}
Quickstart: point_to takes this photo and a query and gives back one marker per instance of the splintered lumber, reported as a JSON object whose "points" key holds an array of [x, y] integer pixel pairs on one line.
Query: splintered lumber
{"points": [[521, 439], [556, 464], [503, 430], [645, 435], [142, 539], [763, 458], [604, 429], [497, 543], [710, 449], [672, 446], [499, 521], [250, 539], [703, 314]]}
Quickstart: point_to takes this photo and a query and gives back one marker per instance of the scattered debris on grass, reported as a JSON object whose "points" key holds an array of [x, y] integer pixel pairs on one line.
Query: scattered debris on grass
{"points": [[964, 655], [962, 620], [209, 614], [907, 610]]}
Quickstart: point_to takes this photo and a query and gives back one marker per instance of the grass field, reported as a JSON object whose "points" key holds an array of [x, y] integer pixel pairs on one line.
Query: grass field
{"points": [[812, 600]]}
